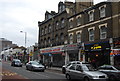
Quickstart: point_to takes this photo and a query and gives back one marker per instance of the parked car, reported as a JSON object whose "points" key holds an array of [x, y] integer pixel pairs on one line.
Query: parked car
{"points": [[33, 65], [112, 72], [84, 72], [65, 66], [16, 62]]}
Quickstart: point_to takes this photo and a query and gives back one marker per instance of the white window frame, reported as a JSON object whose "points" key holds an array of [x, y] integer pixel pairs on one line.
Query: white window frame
{"points": [[42, 31], [49, 27], [102, 11], [71, 23], [91, 15], [103, 33], [71, 38], [78, 39], [62, 22], [91, 35]]}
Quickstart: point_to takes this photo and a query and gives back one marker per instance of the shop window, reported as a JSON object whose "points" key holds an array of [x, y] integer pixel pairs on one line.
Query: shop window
{"points": [[103, 32], [91, 35]]}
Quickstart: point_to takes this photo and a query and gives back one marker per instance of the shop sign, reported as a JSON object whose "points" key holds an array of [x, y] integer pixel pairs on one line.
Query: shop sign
{"points": [[71, 47], [97, 46], [51, 50], [115, 52]]}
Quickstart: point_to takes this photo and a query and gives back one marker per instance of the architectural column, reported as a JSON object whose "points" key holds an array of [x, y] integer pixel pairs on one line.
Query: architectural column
{"points": [[111, 56], [43, 59], [79, 55], [66, 57], [51, 58]]}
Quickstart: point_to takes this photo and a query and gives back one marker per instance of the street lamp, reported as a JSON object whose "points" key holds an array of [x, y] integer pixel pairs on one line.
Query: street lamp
{"points": [[25, 36], [25, 45]]}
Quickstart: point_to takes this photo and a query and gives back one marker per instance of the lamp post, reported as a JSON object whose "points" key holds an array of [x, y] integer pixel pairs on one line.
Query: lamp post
{"points": [[25, 45]]}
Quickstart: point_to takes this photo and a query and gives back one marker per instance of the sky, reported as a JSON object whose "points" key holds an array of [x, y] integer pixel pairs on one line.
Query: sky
{"points": [[23, 15]]}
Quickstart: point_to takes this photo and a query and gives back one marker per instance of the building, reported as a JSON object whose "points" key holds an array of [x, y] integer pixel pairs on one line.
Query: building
{"points": [[96, 30], [53, 33]]}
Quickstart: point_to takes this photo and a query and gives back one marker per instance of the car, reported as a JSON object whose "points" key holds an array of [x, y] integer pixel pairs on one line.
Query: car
{"points": [[35, 66], [16, 62], [65, 66], [112, 72], [84, 72]]}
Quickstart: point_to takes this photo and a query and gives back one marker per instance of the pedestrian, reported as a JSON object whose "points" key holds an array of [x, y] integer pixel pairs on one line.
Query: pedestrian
{"points": [[50, 64]]}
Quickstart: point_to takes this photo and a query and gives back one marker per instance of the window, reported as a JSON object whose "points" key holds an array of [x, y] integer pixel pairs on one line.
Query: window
{"points": [[72, 67], [91, 15], [45, 30], [56, 37], [62, 36], [102, 11], [78, 37], [57, 24], [78, 21], [71, 24], [103, 32], [71, 38], [49, 28], [45, 42], [62, 23], [78, 68], [49, 40], [91, 35], [42, 31]]}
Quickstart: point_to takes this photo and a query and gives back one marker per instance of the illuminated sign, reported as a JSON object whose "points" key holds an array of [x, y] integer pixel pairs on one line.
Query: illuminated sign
{"points": [[96, 46]]}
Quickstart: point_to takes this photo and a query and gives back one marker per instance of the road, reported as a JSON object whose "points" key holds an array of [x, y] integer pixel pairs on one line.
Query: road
{"points": [[22, 73]]}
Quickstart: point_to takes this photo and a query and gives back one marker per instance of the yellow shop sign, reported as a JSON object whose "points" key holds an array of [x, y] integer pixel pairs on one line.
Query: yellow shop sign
{"points": [[96, 46]]}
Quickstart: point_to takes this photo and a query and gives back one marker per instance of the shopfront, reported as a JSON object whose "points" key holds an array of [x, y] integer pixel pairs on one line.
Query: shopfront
{"points": [[115, 52], [72, 52], [54, 55], [98, 53]]}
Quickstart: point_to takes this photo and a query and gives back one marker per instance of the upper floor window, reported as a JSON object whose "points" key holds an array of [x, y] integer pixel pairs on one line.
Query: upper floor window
{"points": [[71, 38], [62, 22], [91, 15], [103, 32], [78, 20], [71, 23], [91, 34], [56, 37], [45, 30], [78, 37], [102, 11], [42, 31], [49, 40], [57, 24], [45, 42], [49, 28], [62, 36]]}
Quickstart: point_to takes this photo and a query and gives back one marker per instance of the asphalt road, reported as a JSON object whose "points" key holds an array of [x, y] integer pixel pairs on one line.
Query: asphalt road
{"points": [[35, 76]]}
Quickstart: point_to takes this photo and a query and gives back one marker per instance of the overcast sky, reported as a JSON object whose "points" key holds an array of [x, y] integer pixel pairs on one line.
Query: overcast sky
{"points": [[23, 15]]}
